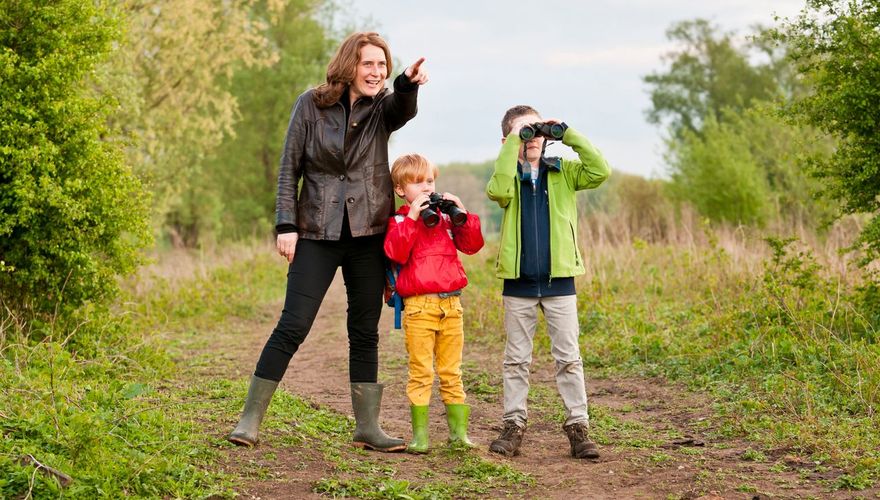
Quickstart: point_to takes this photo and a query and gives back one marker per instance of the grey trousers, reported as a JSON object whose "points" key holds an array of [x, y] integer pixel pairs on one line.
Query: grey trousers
{"points": [[520, 321]]}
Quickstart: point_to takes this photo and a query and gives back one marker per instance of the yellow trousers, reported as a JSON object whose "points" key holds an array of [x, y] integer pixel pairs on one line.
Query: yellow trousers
{"points": [[434, 337]]}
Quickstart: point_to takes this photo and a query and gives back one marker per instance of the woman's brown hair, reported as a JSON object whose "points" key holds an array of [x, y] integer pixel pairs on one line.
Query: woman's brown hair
{"points": [[343, 67]]}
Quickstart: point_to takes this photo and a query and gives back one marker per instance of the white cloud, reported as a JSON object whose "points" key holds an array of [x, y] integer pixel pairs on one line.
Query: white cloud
{"points": [[623, 56]]}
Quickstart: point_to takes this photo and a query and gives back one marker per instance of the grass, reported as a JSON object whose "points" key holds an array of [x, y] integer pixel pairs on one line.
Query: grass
{"points": [[779, 337], [103, 400], [114, 406], [473, 476]]}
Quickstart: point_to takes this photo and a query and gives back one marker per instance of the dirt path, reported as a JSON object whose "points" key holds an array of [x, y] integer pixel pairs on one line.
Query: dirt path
{"points": [[642, 424]]}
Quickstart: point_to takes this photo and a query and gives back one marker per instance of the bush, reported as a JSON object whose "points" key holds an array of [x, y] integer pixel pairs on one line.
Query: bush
{"points": [[72, 215]]}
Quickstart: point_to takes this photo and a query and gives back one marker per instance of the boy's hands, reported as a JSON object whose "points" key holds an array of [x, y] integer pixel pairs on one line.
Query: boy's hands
{"points": [[418, 204], [422, 201], [519, 123], [524, 120], [451, 197]]}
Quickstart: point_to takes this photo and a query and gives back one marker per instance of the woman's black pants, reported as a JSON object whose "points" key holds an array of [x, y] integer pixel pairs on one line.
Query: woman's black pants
{"points": [[314, 265]]}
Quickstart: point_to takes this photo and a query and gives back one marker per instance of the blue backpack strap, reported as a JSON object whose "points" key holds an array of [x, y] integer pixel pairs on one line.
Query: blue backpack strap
{"points": [[398, 308], [396, 301]]}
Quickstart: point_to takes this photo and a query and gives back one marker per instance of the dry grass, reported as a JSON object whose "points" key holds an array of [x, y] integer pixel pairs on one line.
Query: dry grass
{"points": [[619, 238], [174, 267]]}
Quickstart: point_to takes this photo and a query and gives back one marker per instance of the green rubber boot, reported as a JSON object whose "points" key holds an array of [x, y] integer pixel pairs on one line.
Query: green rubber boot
{"points": [[258, 397], [457, 417], [366, 401], [419, 443]]}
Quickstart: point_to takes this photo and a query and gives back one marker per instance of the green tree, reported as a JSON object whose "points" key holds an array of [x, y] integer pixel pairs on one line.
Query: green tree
{"points": [[716, 173], [728, 154], [244, 168], [171, 77], [72, 214], [707, 74], [835, 47], [745, 168]]}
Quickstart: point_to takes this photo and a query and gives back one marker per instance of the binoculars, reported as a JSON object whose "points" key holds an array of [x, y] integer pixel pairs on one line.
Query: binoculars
{"points": [[436, 203], [553, 131]]}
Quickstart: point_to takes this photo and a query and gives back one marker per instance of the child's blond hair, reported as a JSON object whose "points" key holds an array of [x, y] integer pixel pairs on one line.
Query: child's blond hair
{"points": [[411, 168]]}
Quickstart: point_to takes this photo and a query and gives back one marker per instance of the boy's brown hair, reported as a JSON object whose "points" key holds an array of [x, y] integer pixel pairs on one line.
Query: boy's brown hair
{"points": [[411, 168], [514, 113]]}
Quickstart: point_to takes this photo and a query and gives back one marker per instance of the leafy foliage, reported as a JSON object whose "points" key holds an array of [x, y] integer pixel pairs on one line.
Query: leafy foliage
{"points": [[834, 45], [170, 78], [744, 168], [707, 74], [244, 167], [73, 214], [728, 155]]}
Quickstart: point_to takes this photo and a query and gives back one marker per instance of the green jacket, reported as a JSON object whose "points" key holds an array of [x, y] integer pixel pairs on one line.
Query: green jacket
{"points": [[562, 185]]}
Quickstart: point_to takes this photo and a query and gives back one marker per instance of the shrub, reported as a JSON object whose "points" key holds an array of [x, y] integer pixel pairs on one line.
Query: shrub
{"points": [[72, 215]]}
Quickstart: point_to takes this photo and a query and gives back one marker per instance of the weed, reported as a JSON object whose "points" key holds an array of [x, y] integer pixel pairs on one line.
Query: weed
{"points": [[746, 488], [480, 384], [659, 458], [753, 455], [857, 481], [779, 467]]}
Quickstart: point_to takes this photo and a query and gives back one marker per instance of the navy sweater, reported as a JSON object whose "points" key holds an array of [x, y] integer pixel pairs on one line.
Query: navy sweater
{"points": [[534, 268]]}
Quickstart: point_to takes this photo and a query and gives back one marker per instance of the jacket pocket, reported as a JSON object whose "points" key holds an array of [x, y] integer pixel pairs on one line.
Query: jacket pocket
{"points": [[574, 243], [380, 194]]}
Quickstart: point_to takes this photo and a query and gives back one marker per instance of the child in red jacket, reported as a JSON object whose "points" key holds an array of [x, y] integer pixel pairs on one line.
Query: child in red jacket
{"points": [[424, 238]]}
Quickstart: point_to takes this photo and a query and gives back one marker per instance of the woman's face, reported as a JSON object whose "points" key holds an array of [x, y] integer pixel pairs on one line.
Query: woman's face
{"points": [[372, 70]]}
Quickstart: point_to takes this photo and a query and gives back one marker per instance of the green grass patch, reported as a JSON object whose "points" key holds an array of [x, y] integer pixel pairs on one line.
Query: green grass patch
{"points": [[786, 348], [480, 384], [102, 401]]}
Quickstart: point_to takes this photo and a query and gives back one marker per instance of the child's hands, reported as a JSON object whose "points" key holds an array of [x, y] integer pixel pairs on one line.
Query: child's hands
{"points": [[519, 123], [451, 197], [418, 204]]}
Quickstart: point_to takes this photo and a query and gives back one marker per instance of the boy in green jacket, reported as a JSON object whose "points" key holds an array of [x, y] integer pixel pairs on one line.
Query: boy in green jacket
{"points": [[538, 259]]}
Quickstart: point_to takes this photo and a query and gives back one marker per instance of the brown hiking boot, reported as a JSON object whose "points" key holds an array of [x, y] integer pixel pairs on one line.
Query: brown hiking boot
{"points": [[581, 445], [508, 442]]}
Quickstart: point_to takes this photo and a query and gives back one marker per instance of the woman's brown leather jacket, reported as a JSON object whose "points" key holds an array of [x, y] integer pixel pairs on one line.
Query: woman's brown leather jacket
{"points": [[342, 166]]}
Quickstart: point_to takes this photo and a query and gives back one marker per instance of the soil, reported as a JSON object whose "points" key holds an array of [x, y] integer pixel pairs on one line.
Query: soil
{"points": [[694, 466]]}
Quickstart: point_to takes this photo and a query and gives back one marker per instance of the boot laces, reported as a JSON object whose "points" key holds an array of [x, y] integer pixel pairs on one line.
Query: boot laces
{"points": [[578, 432], [510, 431]]}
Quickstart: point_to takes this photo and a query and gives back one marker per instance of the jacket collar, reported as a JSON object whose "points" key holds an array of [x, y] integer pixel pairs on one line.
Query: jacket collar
{"points": [[553, 163], [367, 99]]}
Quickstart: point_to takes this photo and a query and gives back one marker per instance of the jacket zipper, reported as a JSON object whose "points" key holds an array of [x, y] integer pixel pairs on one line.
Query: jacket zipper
{"points": [[535, 227], [549, 246]]}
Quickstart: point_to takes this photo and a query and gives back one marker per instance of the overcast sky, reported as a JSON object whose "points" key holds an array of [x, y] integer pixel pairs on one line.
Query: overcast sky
{"points": [[581, 62]]}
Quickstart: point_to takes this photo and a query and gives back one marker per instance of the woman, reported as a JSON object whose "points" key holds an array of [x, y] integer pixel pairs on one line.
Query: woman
{"points": [[337, 147]]}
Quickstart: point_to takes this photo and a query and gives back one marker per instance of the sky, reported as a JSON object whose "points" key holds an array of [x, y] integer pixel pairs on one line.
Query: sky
{"points": [[582, 62]]}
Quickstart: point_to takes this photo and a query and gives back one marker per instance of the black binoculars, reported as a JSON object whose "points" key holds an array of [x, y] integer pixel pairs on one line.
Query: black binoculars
{"points": [[436, 203], [553, 131]]}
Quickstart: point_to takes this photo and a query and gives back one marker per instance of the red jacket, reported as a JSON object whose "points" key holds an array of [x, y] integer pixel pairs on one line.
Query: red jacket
{"points": [[427, 255]]}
